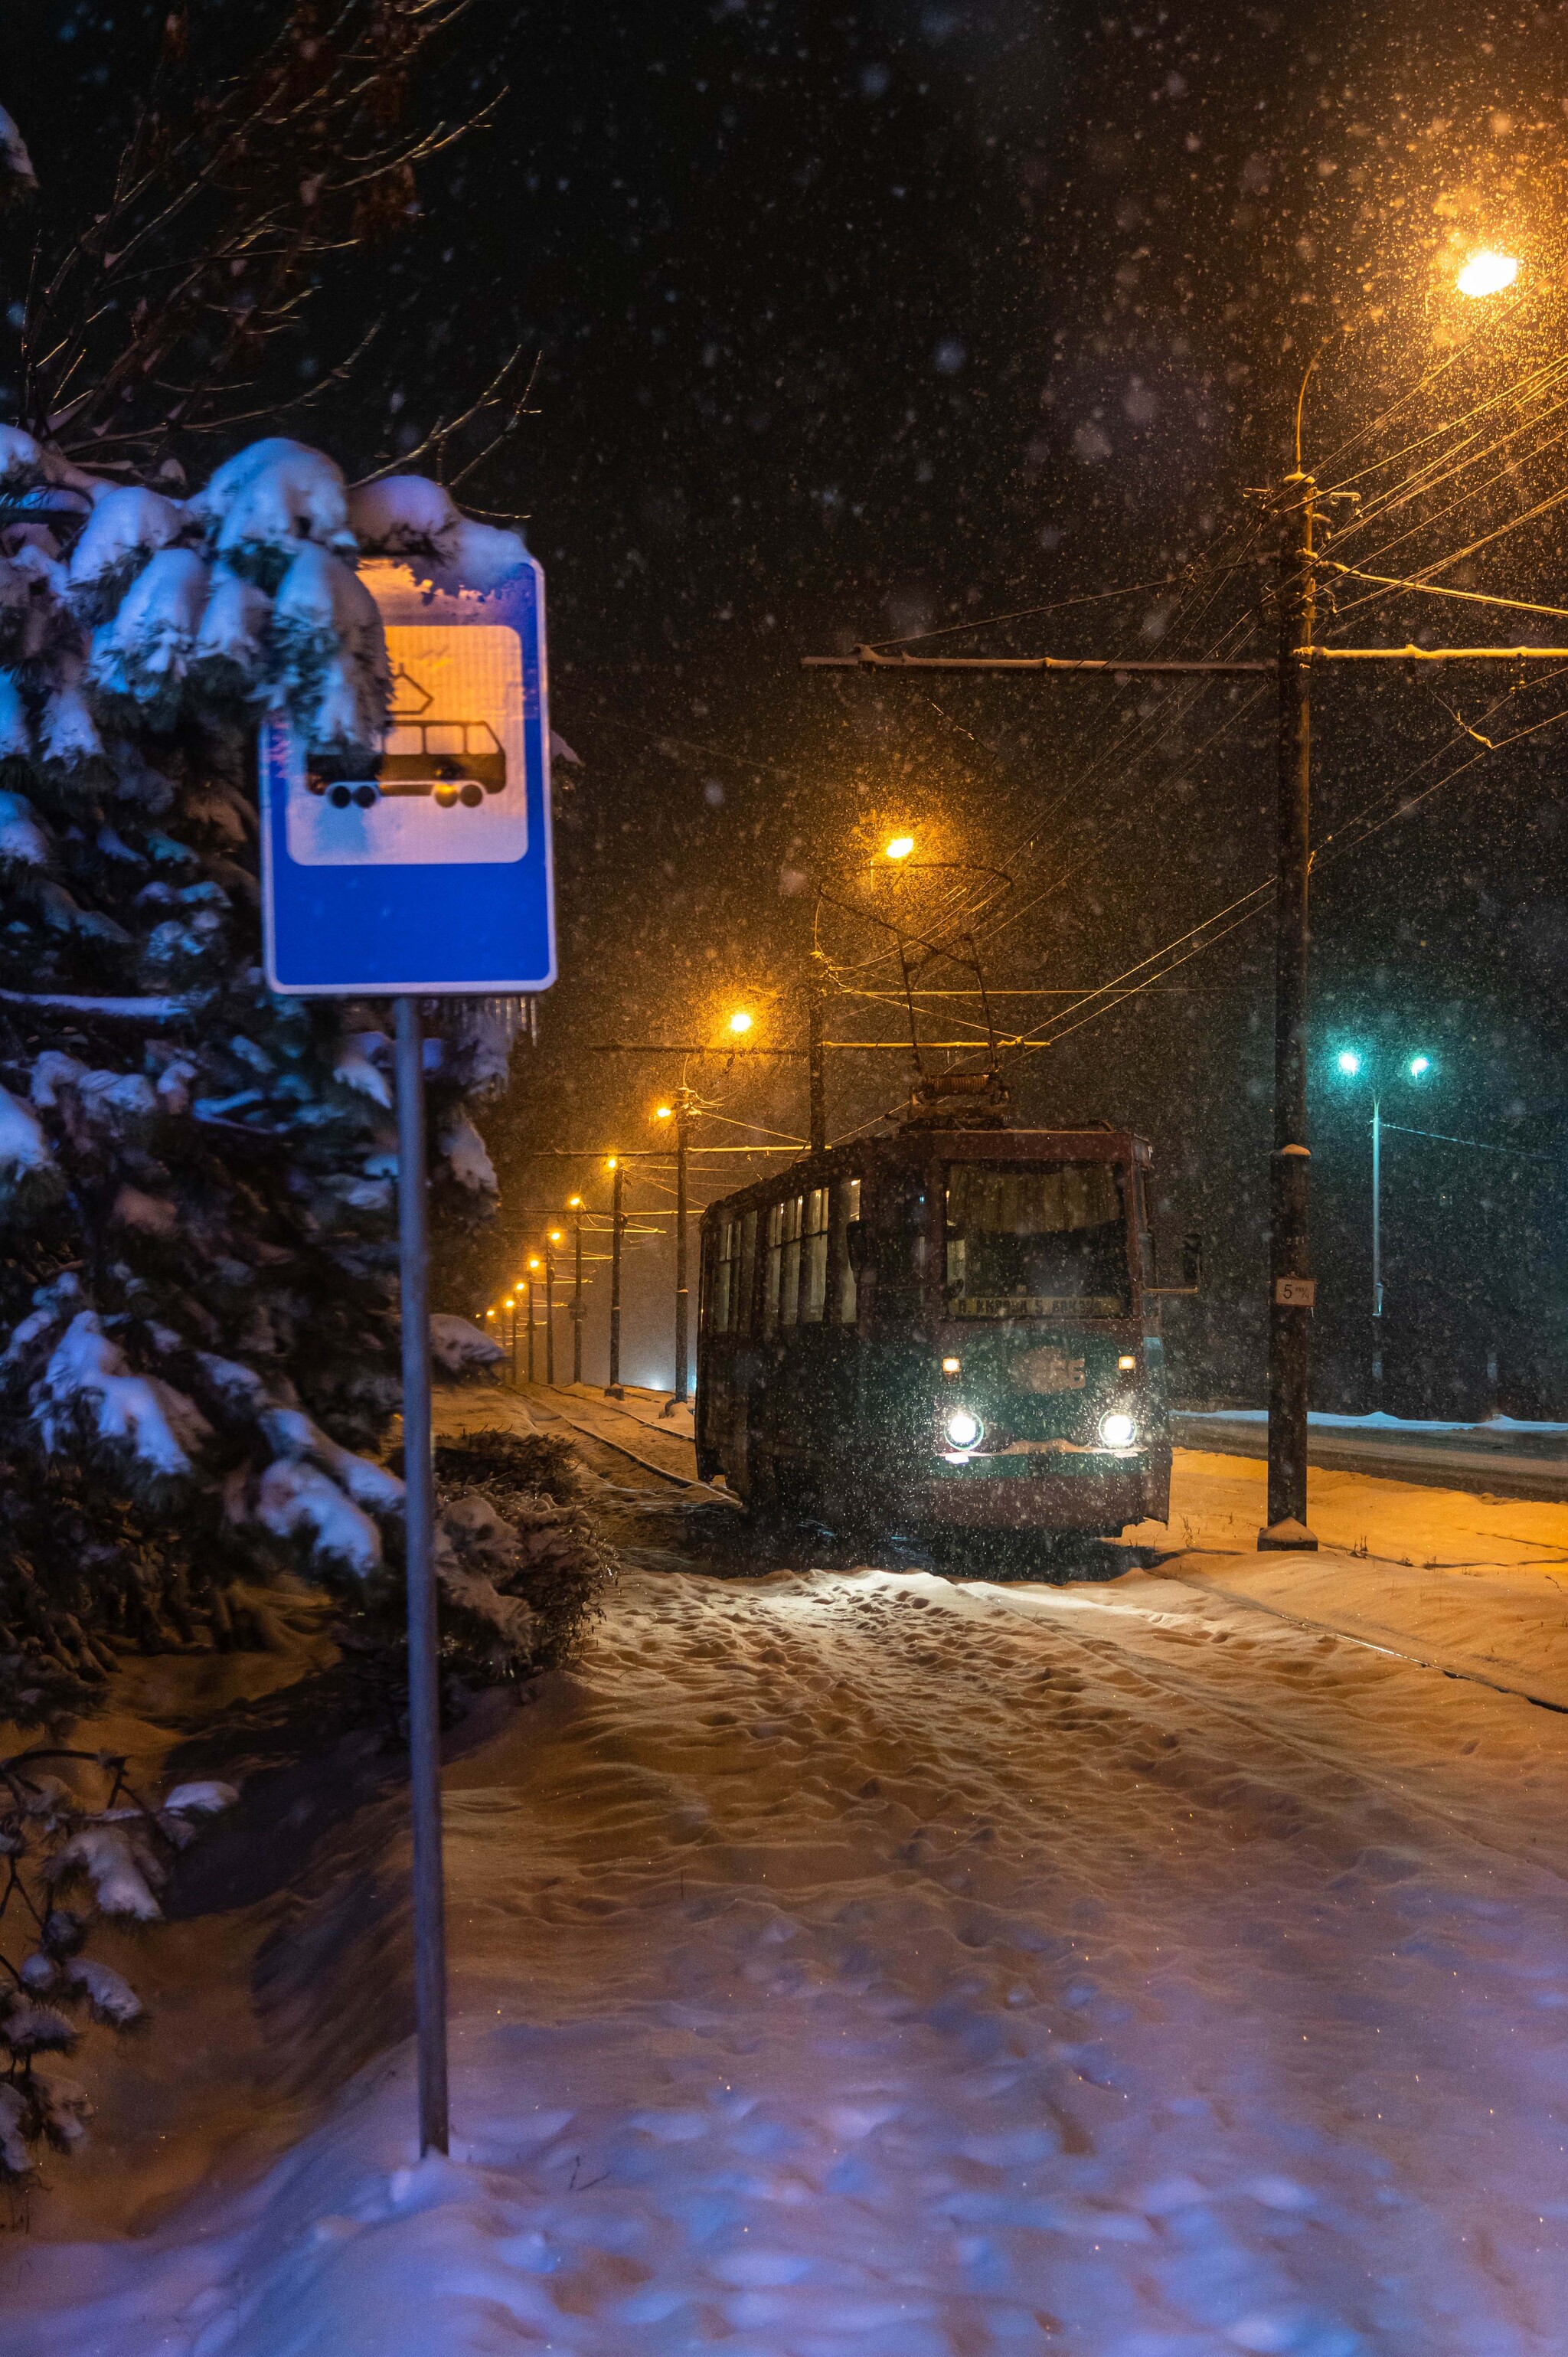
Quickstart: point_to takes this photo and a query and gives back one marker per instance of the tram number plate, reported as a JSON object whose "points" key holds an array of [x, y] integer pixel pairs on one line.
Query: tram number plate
{"points": [[1296, 1292], [1046, 1371]]}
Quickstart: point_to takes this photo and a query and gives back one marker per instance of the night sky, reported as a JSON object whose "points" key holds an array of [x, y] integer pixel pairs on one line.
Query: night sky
{"points": [[861, 324]]}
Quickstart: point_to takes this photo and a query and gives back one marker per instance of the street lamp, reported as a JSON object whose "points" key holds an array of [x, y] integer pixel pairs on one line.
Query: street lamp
{"points": [[901, 847], [1351, 1063], [1487, 272], [740, 1022]]}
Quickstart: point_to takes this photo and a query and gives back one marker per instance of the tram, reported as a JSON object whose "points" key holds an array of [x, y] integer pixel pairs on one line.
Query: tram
{"points": [[954, 1326]]}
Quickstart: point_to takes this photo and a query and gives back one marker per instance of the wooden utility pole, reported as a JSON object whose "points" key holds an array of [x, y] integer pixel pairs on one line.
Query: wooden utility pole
{"points": [[531, 1329], [549, 1311]]}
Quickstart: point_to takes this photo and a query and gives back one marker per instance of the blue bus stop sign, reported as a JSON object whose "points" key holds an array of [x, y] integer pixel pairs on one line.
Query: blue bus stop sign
{"points": [[432, 878]]}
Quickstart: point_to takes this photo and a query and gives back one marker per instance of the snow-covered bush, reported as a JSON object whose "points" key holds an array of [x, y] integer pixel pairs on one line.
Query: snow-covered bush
{"points": [[198, 1273], [460, 1349], [521, 1569], [72, 1863], [511, 1507]]}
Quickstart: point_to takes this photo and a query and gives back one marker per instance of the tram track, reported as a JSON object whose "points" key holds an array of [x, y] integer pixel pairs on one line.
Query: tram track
{"points": [[1228, 1596], [1105, 1654], [678, 1481]]}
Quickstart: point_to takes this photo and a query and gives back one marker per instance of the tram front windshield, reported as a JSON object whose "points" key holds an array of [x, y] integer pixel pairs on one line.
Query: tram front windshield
{"points": [[1037, 1240]]}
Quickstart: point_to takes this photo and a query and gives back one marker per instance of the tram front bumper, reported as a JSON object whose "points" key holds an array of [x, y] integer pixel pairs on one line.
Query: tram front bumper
{"points": [[1009, 1494]]}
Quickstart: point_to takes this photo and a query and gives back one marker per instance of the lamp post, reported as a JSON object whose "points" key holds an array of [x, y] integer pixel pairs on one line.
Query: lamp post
{"points": [[613, 1389], [1350, 1063], [532, 1321]]}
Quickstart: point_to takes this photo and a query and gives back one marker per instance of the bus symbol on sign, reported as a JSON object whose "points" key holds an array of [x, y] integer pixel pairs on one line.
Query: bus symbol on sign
{"points": [[456, 762], [1296, 1292], [447, 786]]}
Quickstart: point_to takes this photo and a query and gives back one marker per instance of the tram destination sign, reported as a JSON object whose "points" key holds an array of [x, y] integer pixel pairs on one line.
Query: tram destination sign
{"points": [[433, 875]]}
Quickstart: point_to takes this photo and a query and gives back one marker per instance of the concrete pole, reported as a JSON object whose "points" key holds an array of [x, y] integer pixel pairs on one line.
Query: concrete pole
{"points": [[1292, 1291], [682, 1118], [618, 1225], [578, 1298]]}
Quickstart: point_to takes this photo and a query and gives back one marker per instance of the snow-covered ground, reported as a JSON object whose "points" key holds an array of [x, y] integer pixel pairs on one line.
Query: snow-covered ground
{"points": [[847, 1960]]}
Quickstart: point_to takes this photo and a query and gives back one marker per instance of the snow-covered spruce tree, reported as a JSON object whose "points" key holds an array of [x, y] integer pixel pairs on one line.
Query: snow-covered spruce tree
{"points": [[197, 1304]]}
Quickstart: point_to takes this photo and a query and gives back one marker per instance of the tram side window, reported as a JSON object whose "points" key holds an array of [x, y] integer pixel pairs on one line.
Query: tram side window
{"points": [[790, 1264], [745, 1274], [705, 1275], [773, 1268], [726, 1290], [814, 1258], [901, 1249], [843, 1289]]}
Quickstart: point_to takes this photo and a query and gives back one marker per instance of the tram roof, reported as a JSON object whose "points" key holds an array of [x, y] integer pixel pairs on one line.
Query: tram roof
{"points": [[920, 1144]]}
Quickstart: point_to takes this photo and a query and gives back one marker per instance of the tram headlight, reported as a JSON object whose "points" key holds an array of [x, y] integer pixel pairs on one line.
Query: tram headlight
{"points": [[1117, 1428], [963, 1428]]}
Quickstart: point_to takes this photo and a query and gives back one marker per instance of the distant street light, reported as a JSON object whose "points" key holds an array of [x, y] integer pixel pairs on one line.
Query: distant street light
{"points": [[901, 847], [663, 1113], [1486, 273], [740, 1020], [1350, 1062]]}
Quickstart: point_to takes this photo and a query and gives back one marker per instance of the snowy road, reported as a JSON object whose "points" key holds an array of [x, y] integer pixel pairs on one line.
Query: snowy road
{"points": [[1511, 1460], [849, 1961]]}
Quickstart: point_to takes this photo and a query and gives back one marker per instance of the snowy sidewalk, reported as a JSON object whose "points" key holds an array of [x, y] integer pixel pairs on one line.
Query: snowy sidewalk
{"points": [[850, 1964]]}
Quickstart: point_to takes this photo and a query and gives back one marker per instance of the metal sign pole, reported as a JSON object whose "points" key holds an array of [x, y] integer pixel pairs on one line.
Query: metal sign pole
{"points": [[424, 1670], [427, 875]]}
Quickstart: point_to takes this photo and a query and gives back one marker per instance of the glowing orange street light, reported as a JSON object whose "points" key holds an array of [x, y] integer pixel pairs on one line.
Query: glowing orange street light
{"points": [[573, 1203], [901, 847], [612, 1161], [663, 1113], [740, 1020], [1487, 272]]}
